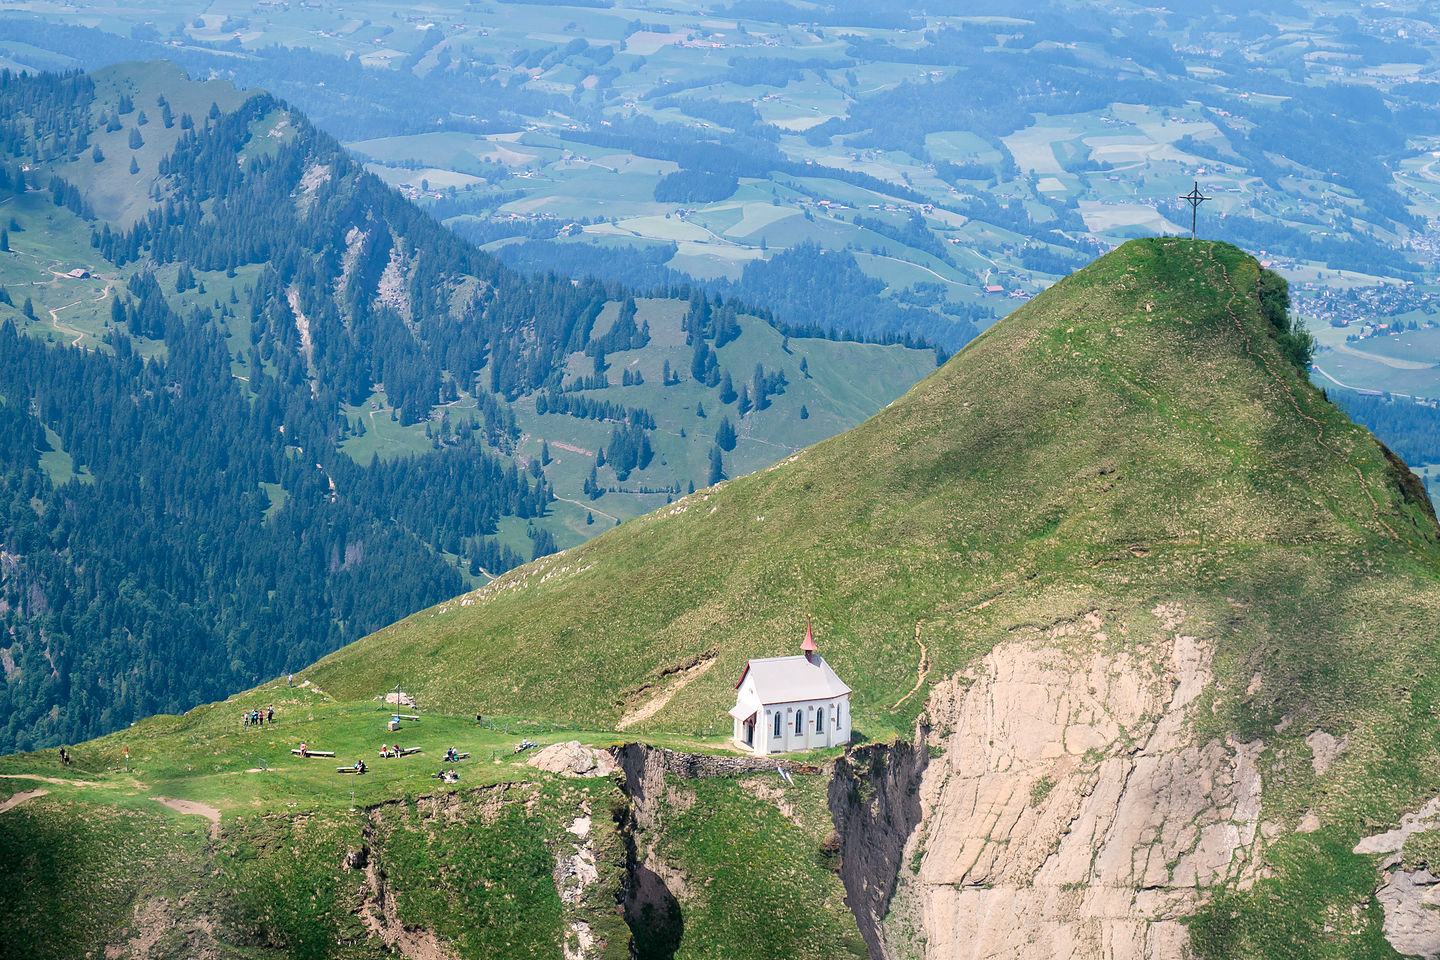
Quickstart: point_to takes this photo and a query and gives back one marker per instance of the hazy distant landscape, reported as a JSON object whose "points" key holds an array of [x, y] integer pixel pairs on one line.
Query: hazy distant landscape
{"points": [[951, 162]]}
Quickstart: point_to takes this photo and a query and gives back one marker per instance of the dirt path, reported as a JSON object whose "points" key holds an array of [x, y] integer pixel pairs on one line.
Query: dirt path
{"points": [[199, 809], [681, 679], [19, 798], [36, 776], [922, 669], [588, 507], [66, 328]]}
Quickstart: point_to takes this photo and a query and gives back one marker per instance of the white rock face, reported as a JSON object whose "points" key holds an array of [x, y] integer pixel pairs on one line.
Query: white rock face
{"points": [[1410, 898], [1071, 816]]}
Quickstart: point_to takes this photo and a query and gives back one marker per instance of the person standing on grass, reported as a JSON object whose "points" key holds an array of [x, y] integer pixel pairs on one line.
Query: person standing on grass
{"points": [[270, 714]]}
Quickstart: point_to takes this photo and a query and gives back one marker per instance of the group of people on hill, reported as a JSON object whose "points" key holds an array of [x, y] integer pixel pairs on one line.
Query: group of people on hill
{"points": [[258, 718], [448, 776]]}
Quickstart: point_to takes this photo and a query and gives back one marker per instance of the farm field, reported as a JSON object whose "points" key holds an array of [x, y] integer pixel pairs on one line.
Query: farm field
{"points": [[601, 103]]}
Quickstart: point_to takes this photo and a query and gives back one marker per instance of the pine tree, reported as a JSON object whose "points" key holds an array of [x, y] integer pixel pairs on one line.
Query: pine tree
{"points": [[589, 518], [745, 403], [4, 241], [136, 141], [699, 407], [727, 391], [717, 466], [804, 413], [544, 453], [725, 435], [97, 154], [134, 167]]}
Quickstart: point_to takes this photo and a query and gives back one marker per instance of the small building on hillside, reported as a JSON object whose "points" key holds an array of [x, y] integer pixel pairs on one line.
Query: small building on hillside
{"points": [[791, 703]]}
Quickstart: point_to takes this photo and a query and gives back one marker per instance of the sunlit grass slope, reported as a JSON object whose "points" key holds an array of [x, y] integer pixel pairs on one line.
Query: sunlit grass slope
{"points": [[1133, 434]]}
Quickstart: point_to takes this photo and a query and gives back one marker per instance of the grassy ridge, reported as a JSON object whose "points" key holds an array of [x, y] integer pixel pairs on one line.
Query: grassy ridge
{"points": [[1133, 433]]}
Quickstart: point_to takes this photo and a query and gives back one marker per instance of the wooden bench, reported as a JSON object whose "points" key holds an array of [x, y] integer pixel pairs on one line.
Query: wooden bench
{"points": [[312, 753], [405, 716], [409, 750], [345, 770]]}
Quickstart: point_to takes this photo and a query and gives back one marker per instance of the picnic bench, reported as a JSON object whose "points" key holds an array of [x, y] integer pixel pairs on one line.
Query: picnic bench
{"points": [[346, 770], [409, 750], [404, 716], [312, 753]]}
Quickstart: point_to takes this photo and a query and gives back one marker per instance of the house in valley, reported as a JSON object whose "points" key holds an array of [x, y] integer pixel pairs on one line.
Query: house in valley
{"points": [[784, 704]]}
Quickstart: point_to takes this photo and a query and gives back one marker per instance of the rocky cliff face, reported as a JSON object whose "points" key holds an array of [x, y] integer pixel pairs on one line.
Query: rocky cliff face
{"points": [[1072, 813], [874, 801]]}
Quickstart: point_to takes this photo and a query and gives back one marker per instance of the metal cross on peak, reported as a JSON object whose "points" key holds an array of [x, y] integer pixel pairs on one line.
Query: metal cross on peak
{"points": [[1196, 198]]}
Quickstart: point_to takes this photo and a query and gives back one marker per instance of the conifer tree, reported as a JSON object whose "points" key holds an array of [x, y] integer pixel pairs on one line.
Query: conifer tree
{"points": [[717, 466], [725, 435], [727, 391]]}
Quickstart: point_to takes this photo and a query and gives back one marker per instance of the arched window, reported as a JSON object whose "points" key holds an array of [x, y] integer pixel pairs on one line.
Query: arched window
{"points": [[777, 723], [799, 722], [820, 720]]}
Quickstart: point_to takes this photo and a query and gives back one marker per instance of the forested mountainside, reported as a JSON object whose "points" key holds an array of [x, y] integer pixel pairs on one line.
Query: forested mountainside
{"points": [[1130, 611], [257, 404]]}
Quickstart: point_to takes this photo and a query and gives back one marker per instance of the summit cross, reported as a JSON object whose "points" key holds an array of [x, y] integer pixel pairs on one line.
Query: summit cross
{"points": [[1196, 198]]}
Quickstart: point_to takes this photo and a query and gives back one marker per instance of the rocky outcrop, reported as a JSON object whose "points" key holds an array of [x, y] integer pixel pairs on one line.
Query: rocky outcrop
{"points": [[573, 759], [1409, 897], [1071, 814]]}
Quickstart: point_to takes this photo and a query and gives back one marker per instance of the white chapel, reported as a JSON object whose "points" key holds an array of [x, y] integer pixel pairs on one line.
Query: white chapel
{"points": [[791, 703]]}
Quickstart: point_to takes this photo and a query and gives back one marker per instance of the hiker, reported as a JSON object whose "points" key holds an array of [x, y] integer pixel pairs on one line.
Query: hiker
{"points": [[479, 719], [270, 715], [291, 678], [359, 766], [64, 757], [304, 751]]}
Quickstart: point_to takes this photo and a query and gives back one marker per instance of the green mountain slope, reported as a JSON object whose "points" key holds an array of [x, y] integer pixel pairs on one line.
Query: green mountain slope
{"points": [[1123, 503], [1134, 430], [255, 404]]}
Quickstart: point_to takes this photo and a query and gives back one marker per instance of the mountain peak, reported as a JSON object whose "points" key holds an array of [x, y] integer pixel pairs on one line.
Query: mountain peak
{"points": [[1138, 422]]}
